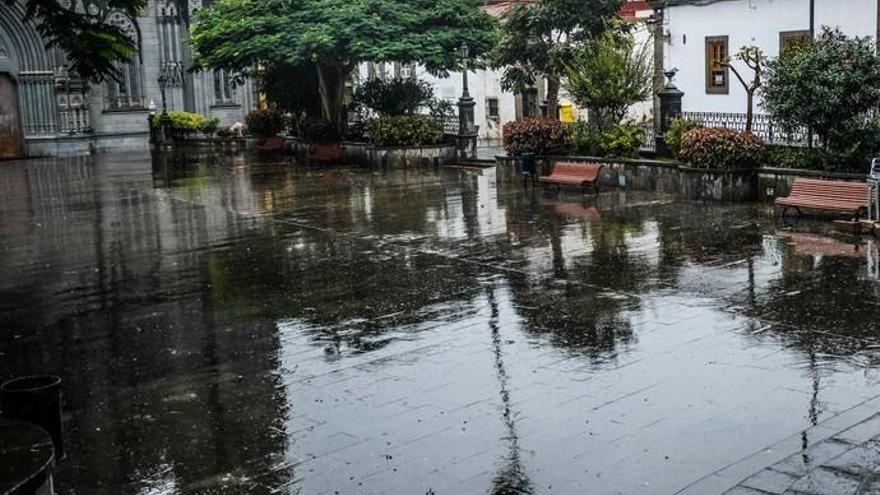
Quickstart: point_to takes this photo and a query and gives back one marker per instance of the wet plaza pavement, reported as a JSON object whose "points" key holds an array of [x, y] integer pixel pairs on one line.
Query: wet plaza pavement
{"points": [[226, 327]]}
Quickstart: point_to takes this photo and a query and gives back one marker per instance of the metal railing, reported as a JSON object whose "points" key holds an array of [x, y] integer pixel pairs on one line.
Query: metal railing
{"points": [[874, 188], [649, 143], [763, 126], [450, 124]]}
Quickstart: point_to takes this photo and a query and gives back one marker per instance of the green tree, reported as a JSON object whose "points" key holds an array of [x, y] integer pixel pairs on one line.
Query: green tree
{"points": [[336, 35], [536, 39], [92, 45], [831, 86], [608, 75]]}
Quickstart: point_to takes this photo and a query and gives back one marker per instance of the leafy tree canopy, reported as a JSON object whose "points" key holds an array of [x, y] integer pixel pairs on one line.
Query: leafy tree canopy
{"points": [[537, 38], [830, 85], [92, 45], [336, 35], [237, 34], [608, 75]]}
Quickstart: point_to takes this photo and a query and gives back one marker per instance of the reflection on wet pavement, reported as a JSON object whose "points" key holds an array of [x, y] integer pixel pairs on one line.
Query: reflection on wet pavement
{"points": [[225, 326]]}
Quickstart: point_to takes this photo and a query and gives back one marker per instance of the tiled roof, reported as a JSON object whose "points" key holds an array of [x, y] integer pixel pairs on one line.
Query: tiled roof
{"points": [[496, 8], [628, 10]]}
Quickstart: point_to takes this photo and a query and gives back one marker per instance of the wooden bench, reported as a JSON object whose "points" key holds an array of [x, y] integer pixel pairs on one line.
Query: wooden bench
{"points": [[327, 153], [273, 144], [574, 174], [826, 195]]}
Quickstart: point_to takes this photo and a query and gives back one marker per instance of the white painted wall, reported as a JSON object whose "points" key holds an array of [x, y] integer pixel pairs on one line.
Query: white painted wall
{"points": [[747, 22], [482, 84], [645, 110]]}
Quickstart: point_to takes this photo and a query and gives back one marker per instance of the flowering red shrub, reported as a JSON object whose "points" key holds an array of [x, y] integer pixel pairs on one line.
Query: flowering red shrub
{"points": [[717, 147], [536, 135]]}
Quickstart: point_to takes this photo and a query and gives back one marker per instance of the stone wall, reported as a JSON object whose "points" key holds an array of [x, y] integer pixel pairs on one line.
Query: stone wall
{"points": [[394, 157], [764, 184]]}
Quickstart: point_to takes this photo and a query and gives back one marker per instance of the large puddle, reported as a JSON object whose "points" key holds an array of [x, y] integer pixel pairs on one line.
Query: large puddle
{"points": [[229, 327]]}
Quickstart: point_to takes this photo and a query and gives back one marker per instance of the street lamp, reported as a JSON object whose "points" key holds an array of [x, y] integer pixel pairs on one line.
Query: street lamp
{"points": [[163, 83], [467, 132], [164, 119]]}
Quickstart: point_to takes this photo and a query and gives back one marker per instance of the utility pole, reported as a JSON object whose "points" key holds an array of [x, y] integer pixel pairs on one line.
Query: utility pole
{"points": [[655, 24]]}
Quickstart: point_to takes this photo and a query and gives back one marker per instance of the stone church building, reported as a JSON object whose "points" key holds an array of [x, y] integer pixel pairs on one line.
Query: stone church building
{"points": [[46, 111]]}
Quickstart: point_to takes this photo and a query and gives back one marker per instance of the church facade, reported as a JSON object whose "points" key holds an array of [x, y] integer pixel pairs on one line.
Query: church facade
{"points": [[45, 110]]}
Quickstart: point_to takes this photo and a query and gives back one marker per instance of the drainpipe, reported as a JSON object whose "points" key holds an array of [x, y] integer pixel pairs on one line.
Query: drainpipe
{"points": [[812, 36], [813, 19]]}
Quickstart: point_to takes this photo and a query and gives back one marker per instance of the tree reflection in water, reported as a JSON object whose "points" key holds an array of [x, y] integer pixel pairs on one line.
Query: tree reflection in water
{"points": [[512, 478]]}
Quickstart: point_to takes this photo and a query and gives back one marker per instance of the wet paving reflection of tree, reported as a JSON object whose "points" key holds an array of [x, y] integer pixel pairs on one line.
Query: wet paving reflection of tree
{"points": [[159, 292]]}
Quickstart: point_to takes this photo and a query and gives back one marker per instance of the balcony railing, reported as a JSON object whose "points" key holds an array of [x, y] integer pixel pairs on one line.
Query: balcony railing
{"points": [[763, 126], [75, 120], [73, 113], [124, 103]]}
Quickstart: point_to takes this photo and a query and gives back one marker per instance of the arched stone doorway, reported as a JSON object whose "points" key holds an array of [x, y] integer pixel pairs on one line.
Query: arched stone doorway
{"points": [[11, 135]]}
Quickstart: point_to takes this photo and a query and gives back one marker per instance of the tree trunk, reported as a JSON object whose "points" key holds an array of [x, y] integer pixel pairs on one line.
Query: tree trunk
{"points": [[750, 105], [331, 87], [553, 98]]}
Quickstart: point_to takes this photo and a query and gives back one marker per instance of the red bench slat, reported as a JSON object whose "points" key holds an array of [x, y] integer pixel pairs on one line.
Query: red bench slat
{"points": [[826, 195], [573, 173]]}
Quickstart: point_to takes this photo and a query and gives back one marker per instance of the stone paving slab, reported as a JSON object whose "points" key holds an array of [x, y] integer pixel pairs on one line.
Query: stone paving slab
{"points": [[233, 327], [846, 463]]}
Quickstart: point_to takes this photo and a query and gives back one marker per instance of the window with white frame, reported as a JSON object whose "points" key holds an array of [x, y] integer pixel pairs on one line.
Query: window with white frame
{"points": [[224, 88], [492, 109]]}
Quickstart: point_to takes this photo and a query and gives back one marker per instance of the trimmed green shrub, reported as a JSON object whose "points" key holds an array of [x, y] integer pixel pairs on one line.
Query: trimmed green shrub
{"points": [[265, 123], [621, 141], [677, 129], [536, 135], [404, 130], [210, 126], [718, 147], [185, 122], [794, 157]]}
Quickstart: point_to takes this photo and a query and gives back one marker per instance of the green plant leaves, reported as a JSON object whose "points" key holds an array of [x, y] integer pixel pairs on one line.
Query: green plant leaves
{"points": [[832, 86], [404, 130]]}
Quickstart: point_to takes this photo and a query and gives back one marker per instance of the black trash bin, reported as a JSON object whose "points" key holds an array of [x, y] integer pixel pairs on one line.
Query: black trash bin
{"points": [[37, 400], [529, 168]]}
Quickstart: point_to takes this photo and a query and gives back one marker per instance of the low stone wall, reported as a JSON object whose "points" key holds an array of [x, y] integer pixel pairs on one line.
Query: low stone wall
{"points": [[393, 157], [84, 144], [763, 184], [774, 182], [668, 177]]}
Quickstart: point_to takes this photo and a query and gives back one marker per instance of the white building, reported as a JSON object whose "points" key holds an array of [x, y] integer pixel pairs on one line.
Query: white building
{"points": [[699, 33], [495, 107]]}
